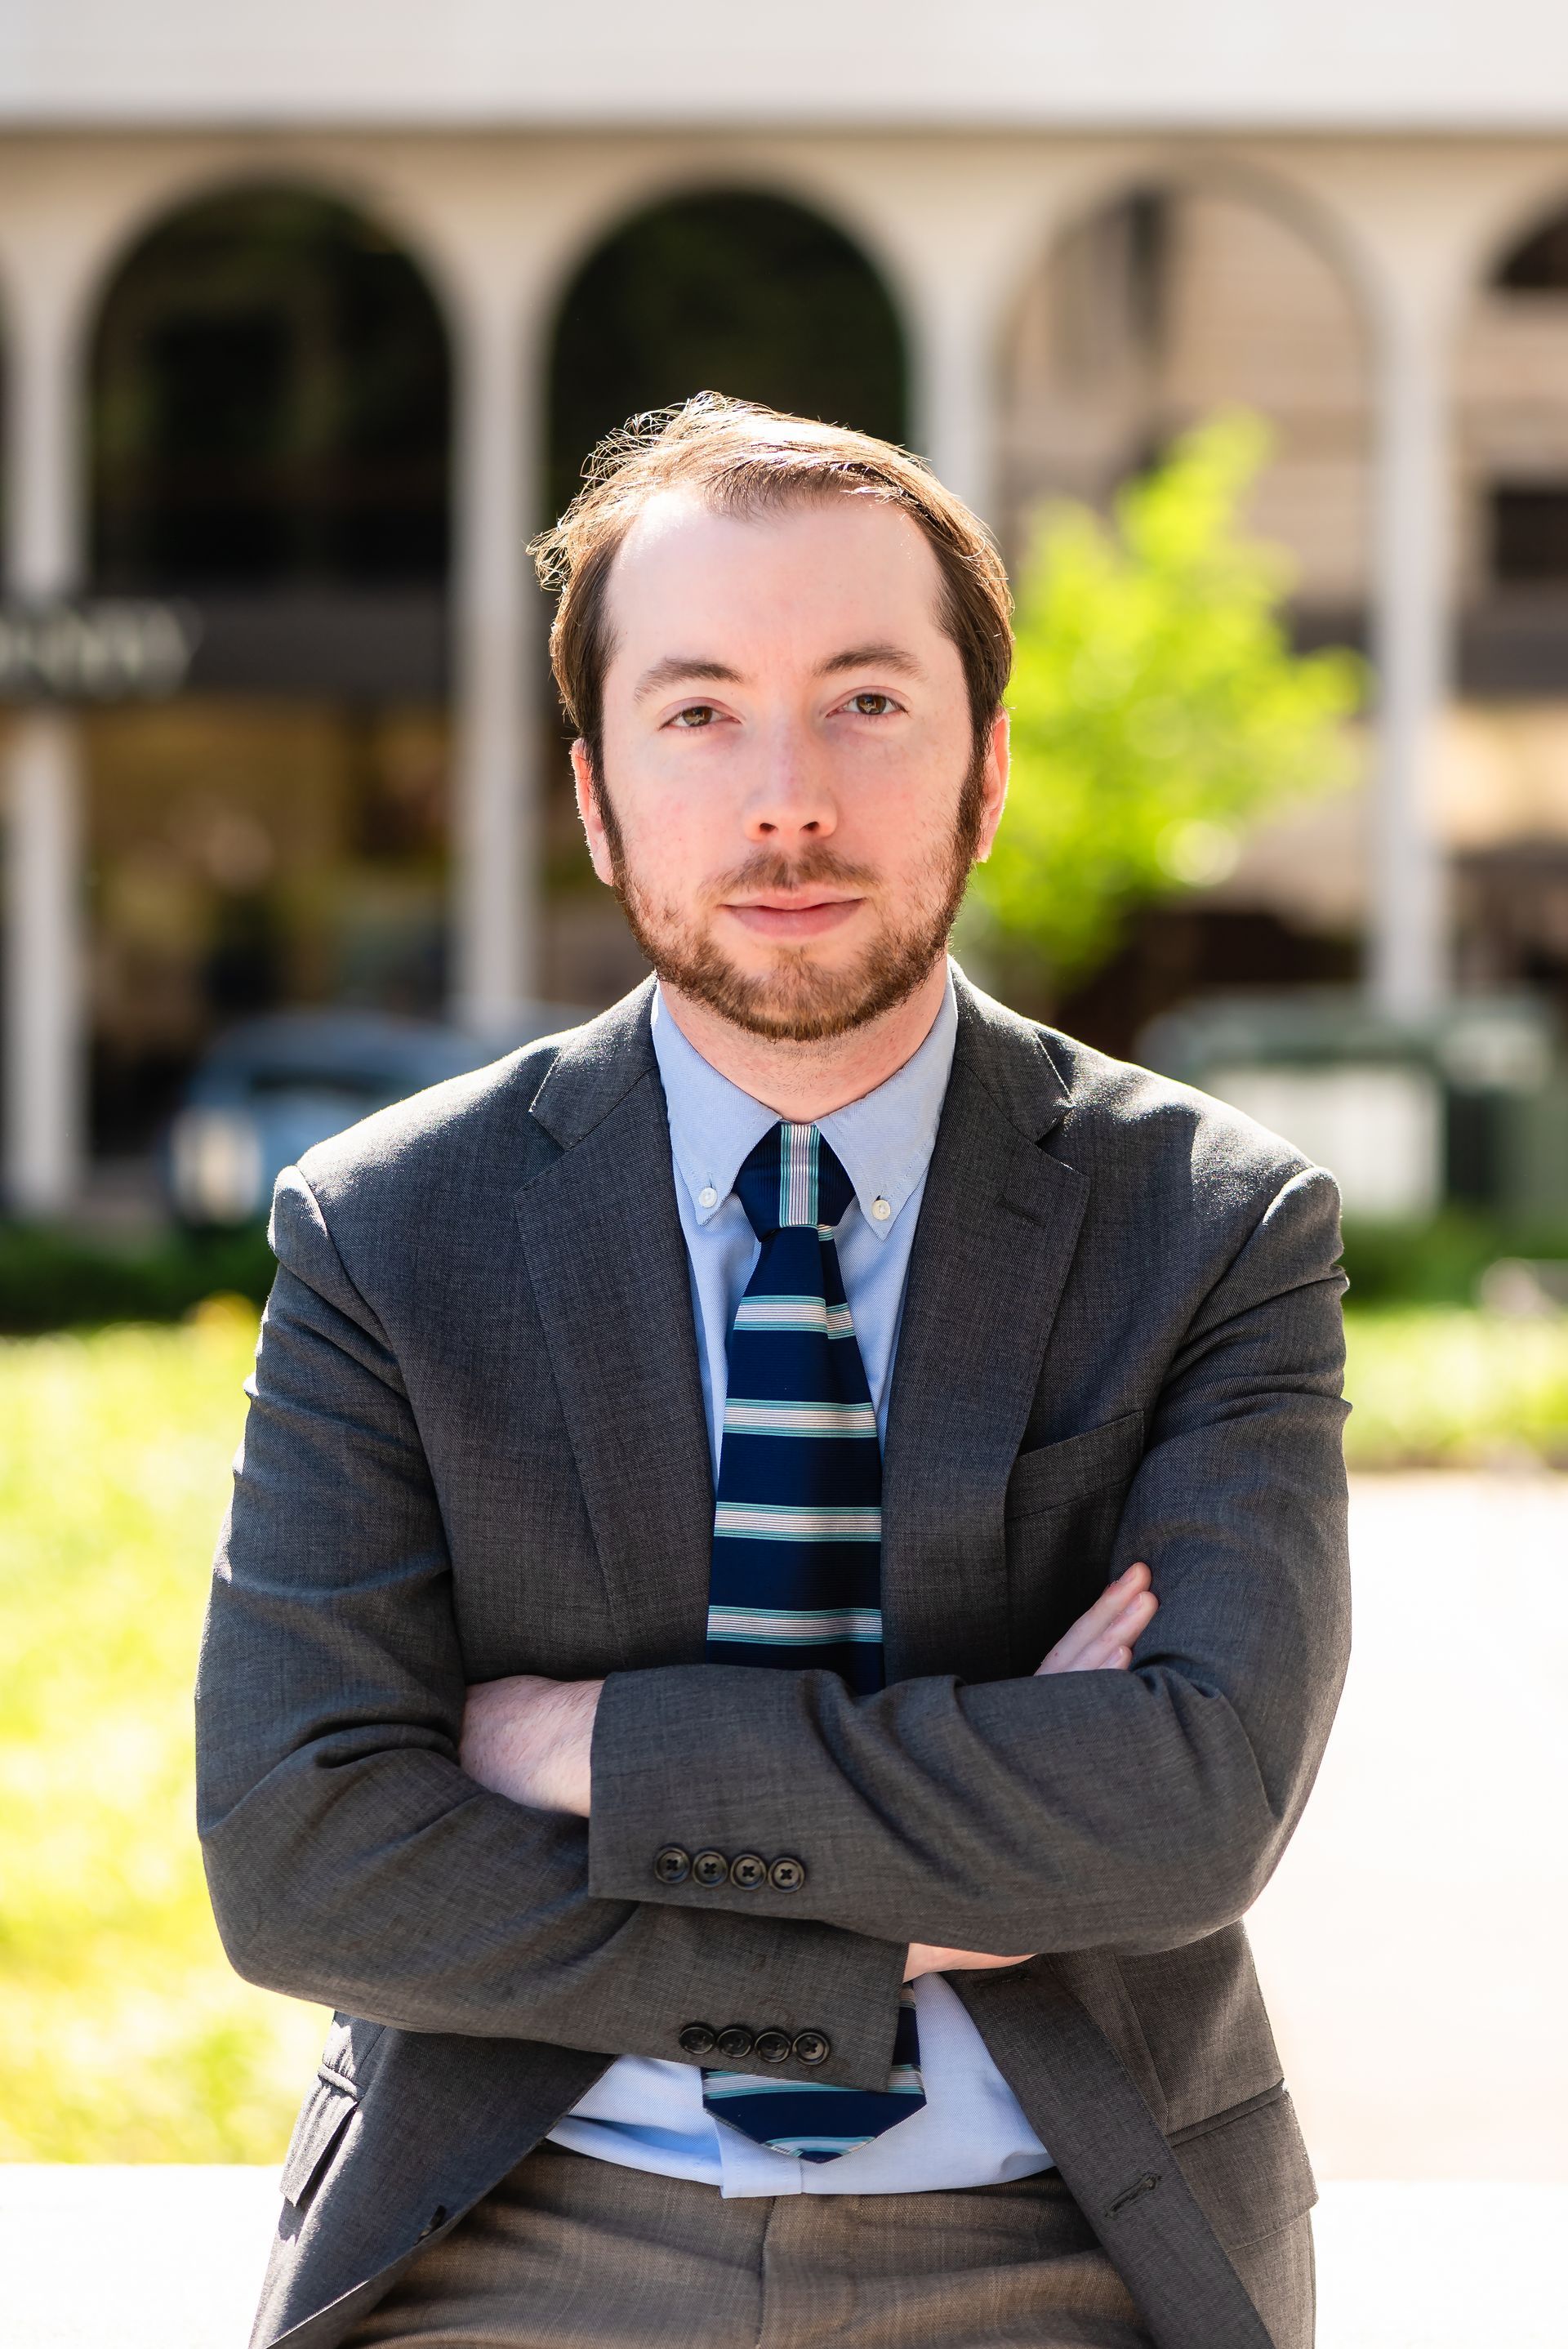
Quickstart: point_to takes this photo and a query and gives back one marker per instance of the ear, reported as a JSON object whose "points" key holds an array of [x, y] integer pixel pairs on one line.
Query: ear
{"points": [[588, 811], [999, 753]]}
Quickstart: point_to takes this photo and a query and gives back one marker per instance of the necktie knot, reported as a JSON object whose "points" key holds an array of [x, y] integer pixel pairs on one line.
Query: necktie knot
{"points": [[793, 1177]]}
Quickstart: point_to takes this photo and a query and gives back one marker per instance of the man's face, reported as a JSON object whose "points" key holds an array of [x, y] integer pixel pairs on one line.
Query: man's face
{"points": [[791, 798]]}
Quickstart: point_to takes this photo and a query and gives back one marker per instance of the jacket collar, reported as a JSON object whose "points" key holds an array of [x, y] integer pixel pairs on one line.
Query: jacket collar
{"points": [[596, 1067], [599, 1063], [1012, 1057]]}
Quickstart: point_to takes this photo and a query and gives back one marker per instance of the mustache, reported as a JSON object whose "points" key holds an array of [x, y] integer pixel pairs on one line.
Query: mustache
{"points": [[768, 869]]}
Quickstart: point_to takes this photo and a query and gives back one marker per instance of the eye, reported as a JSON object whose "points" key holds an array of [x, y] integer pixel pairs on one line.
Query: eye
{"points": [[699, 713], [871, 704]]}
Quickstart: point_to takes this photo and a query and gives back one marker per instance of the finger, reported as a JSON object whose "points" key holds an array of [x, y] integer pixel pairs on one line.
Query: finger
{"points": [[1118, 1639], [1098, 1619], [1113, 1617]]}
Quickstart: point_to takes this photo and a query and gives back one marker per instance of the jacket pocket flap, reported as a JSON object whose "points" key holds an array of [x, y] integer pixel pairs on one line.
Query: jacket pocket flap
{"points": [[1248, 2170], [1052, 1474], [323, 2118]]}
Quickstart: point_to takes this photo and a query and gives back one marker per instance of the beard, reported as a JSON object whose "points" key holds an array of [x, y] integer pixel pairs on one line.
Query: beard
{"points": [[796, 1001]]}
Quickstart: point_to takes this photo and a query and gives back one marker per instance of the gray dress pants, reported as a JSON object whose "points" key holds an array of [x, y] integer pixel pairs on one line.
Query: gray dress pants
{"points": [[568, 2252]]}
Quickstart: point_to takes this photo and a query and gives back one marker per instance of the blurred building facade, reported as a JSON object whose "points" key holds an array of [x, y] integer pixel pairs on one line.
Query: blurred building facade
{"points": [[304, 328]]}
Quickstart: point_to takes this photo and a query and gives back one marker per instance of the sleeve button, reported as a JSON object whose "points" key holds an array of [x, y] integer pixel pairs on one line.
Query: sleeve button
{"points": [[811, 2048], [772, 2046], [746, 1871], [672, 1866], [735, 2043], [787, 1875], [697, 2039], [710, 1868]]}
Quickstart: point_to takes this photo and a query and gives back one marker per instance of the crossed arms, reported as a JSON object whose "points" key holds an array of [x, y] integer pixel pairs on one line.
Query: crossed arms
{"points": [[532, 1739], [353, 1860]]}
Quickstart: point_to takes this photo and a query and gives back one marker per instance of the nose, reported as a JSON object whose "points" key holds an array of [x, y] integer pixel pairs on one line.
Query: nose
{"points": [[791, 802]]}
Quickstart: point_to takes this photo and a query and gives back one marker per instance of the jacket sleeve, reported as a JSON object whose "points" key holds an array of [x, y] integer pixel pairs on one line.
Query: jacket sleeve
{"points": [[1129, 1810], [350, 1861]]}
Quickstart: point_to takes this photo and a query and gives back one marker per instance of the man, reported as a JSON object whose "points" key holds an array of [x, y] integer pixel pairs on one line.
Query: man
{"points": [[786, 1585]]}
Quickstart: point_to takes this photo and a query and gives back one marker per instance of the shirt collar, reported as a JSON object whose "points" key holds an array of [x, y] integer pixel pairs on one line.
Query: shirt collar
{"points": [[883, 1141]]}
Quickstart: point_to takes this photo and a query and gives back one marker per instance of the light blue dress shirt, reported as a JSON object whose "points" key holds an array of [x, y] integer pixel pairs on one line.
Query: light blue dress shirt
{"points": [[649, 2115]]}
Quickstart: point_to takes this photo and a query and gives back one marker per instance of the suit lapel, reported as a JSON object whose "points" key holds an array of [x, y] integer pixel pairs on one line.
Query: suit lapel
{"points": [[608, 1262], [998, 1224]]}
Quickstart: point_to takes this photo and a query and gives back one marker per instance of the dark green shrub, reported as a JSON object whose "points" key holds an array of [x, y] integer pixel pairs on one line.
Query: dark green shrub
{"points": [[52, 1278], [1440, 1262]]}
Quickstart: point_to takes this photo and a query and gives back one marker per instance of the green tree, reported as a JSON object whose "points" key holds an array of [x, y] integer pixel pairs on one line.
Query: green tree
{"points": [[1158, 708]]}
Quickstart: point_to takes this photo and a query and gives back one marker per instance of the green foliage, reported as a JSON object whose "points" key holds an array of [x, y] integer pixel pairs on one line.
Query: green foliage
{"points": [[124, 2034], [1447, 1387], [1157, 708], [55, 1279]]}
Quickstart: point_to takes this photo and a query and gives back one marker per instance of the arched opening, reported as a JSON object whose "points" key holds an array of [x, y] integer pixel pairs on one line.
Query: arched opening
{"points": [[1513, 539], [271, 404], [728, 290], [1159, 308], [1506, 775], [269, 429], [731, 290]]}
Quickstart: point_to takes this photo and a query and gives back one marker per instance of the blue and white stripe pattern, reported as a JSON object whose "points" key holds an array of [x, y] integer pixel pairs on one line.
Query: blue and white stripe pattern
{"points": [[796, 1548], [817, 2124]]}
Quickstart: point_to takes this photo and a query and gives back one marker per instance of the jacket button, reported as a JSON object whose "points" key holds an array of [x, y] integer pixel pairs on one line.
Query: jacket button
{"points": [[735, 2043], [672, 1866], [811, 2048], [710, 1868], [746, 1871], [697, 2039], [787, 1875], [772, 2046]]}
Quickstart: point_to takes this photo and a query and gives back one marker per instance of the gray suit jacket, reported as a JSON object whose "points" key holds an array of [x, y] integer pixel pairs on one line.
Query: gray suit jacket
{"points": [[476, 1446]]}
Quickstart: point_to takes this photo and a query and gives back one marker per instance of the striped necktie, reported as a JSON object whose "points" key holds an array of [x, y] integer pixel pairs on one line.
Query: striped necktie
{"points": [[797, 1549]]}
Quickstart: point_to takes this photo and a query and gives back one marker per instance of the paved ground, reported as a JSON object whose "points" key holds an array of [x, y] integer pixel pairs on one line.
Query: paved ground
{"points": [[1410, 1944]]}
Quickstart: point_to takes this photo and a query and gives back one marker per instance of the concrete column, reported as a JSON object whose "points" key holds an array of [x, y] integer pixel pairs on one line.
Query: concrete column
{"points": [[44, 1005], [495, 608], [1411, 646], [44, 1141], [953, 395]]}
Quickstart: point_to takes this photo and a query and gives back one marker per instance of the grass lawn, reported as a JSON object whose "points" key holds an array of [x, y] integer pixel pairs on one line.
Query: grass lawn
{"points": [[124, 2036], [1446, 1386]]}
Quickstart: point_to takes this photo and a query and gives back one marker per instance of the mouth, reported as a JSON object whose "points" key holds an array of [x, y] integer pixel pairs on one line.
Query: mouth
{"points": [[798, 915]]}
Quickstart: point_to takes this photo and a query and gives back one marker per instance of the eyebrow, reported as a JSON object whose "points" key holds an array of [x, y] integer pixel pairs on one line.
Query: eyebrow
{"points": [[681, 669], [676, 667], [872, 657]]}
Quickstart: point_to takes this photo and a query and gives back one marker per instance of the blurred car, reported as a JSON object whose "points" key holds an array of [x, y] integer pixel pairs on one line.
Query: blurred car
{"points": [[269, 1088]]}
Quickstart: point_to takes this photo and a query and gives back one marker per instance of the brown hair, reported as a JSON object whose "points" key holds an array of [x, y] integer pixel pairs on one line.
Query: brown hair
{"points": [[748, 460]]}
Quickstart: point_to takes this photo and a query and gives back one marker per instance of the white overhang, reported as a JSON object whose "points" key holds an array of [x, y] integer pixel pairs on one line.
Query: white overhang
{"points": [[1408, 65]]}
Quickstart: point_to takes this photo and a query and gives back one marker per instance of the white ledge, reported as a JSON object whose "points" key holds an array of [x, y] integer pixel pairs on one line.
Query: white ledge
{"points": [[169, 2258]]}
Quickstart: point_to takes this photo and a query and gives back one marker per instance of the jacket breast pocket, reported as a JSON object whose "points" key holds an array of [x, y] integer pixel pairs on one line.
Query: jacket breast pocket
{"points": [[1054, 1475], [1063, 1503]]}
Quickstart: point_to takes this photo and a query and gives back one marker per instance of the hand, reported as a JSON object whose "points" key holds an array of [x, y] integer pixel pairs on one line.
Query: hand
{"points": [[530, 1739], [1101, 1640]]}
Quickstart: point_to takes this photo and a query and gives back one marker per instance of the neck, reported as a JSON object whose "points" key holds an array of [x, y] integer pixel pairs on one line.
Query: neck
{"points": [[804, 1081]]}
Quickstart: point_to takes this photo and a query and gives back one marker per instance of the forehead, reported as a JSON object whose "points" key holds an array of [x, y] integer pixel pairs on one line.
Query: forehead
{"points": [[825, 569]]}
